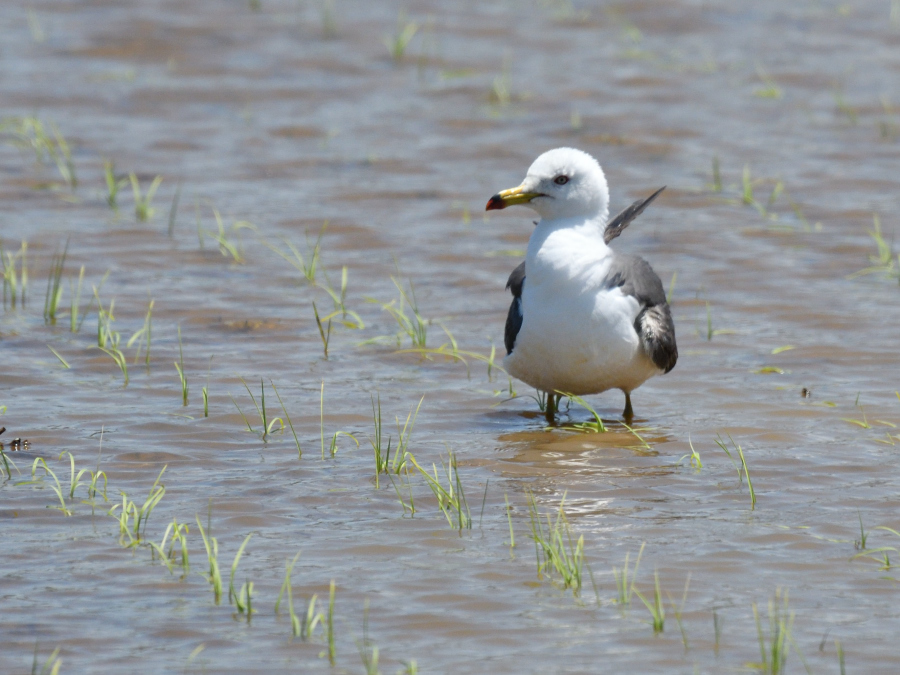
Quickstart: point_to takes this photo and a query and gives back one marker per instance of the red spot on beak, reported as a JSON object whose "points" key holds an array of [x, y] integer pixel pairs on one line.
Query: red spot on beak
{"points": [[495, 203]]}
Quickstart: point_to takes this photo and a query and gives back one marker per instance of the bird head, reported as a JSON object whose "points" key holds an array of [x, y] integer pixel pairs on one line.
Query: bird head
{"points": [[561, 183]]}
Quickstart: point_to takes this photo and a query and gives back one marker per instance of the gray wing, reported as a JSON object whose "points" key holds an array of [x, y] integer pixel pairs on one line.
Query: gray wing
{"points": [[514, 317], [620, 222], [654, 324]]}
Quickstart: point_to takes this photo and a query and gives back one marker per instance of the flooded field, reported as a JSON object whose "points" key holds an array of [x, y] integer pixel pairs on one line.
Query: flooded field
{"points": [[190, 185]]}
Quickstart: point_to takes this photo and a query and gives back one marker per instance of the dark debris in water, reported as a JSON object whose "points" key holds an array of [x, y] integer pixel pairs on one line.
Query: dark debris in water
{"points": [[15, 444]]}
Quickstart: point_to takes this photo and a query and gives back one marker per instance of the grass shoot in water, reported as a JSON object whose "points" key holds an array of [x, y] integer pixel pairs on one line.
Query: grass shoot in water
{"points": [[743, 470], [143, 209], [242, 598], [214, 576], [133, 518], [329, 625], [555, 549], [56, 487], [451, 499], [301, 628], [54, 286], [775, 643], [656, 608], [113, 184], [15, 276], [332, 448], [288, 418], [144, 335], [595, 426], [624, 588], [179, 366], [382, 452], [398, 42], [179, 532]]}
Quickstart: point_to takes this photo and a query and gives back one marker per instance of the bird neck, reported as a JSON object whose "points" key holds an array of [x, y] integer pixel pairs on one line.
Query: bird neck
{"points": [[566, 242]]}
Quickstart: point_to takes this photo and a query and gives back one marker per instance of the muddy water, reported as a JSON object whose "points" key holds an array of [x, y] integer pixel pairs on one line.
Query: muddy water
{"points": [[286, 118]]}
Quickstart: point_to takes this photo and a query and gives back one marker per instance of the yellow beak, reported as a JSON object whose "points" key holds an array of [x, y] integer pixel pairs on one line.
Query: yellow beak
{"points": [[510, 197]]}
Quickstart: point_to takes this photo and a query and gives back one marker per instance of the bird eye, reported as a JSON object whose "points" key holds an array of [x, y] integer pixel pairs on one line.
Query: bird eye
{"points": [[561, 180]]}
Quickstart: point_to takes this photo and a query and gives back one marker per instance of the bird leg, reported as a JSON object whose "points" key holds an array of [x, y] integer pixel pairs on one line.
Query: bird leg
{"points": [[628, 413], [550, 408]]}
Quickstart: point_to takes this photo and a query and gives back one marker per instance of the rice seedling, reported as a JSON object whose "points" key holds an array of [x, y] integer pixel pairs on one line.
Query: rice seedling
{"points": [[30, 132], [300, 627], [407, 505], [214, 577], [173, 210], [717, 632], [747, 195], [74, 479], [143, 338], [58, 356], [398, 42], [39, 462], [74, 323], [368, 650], [624, 588], [227, 248], [512, 534], [133, 518], [51, 665], [837, 643], [332, 448], [382, 453], [243, 598], [7, 461], [267, 425], [288, 418], [179, 532], [656, 608], [329, 24], [34, 26], [555, 549], [770, 88], [15, 275], [882, 262], [113, 184], [349, 318], [716, 175], [678, 611], [54, 286], [884, 559], [307, 265], [451, 499], [179, 366], [743, 471], [844, 108], [404, 434], [329, 625], [694, 457], [451, 351], [776, 642], [324, 333], [107, 338], [415, 327], [143, 210], [119, 358], [595, 426], [501, 89]]}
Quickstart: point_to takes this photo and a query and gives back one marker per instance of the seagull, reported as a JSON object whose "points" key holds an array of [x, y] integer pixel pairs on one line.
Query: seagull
{"points": [[588, 319]]}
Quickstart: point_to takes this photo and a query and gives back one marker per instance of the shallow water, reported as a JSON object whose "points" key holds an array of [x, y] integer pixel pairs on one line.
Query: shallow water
{"points": [[265, 117]]}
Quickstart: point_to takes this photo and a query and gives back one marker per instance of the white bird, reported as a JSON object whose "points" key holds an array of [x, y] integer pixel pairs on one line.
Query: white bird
{"points": [[588, 319]]}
